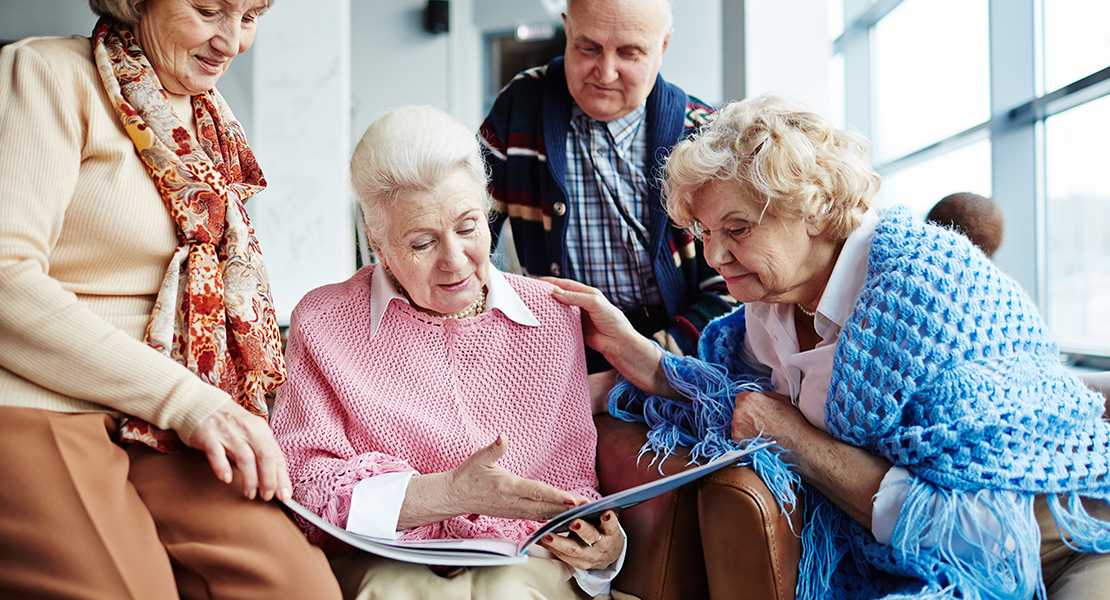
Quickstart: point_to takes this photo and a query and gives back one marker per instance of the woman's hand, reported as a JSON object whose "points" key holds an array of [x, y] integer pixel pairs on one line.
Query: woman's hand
{"points": [[847, 475], [235, 440], [604, 326], [769, 414], [479, 486], [607, 330], [588, 547]]}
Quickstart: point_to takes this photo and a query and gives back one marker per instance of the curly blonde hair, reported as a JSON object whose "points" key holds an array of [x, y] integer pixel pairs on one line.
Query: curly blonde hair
{"points": [[785, 154]]}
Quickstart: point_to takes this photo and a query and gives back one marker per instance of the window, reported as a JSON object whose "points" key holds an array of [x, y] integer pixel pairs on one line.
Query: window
{"points": [[1077, 217], [931, 74], [1009, 98]]}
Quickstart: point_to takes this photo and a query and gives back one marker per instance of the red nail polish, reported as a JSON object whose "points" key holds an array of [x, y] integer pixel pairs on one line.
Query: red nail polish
{"points": [[548, 539], [576, 526], [606, 516]]}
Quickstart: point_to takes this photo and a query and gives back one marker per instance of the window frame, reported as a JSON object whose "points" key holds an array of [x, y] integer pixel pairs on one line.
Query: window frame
{"points": [[1019, 108]]}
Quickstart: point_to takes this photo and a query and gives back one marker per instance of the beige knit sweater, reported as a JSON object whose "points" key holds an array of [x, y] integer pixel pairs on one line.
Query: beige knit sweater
{"points": [[84, 243]]}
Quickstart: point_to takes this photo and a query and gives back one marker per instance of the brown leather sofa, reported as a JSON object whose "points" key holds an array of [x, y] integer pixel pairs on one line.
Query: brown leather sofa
{"points": [[721, 537]]}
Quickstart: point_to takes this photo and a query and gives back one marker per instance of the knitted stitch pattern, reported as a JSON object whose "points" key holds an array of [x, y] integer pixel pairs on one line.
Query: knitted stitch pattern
{"points": [[946, 369], [426, 393]]}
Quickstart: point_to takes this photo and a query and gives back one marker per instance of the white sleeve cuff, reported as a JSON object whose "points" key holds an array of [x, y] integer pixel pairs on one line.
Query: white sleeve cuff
{"points": [[888, 501], [598, 581], [376, 505]]}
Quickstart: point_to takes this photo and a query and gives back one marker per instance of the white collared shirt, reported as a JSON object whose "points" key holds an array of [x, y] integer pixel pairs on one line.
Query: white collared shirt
{"points": [[499, 296], [772, 341]]}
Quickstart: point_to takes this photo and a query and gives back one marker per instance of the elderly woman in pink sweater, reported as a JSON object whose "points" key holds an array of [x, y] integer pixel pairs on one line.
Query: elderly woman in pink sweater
{"points": [[432, 396]]}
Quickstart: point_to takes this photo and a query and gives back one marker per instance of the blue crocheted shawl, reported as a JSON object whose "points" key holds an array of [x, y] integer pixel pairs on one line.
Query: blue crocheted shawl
{"points": [[944, 368]]}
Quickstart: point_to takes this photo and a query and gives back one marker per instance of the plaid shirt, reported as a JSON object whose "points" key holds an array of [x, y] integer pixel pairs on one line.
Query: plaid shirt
{"points": [[607, 241]]}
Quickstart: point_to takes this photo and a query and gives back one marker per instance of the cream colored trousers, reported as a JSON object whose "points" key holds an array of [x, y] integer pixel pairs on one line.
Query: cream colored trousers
{"points": [[367, 577], [1071, 575]]}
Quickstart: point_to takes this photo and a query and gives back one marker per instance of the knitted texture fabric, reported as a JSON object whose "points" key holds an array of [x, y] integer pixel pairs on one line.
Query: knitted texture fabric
{"points": [[428, 392], [525, 142], [946, 369]]}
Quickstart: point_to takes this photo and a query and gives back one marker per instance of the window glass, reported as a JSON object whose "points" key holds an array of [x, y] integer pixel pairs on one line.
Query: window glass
{"points": [[931, 73], [836, 18], [836, 90], [1077, 219], [1076, 40], [922, 185]]}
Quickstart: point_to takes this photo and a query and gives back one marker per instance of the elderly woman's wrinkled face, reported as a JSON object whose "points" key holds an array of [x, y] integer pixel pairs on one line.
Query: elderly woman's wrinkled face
{"points": [[190, 43], [437, 244], [766, 259]]}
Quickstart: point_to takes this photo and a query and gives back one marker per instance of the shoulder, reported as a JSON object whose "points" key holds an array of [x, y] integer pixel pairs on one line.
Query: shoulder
{"points": [[899, 235], [673, 99], [536, 295], [529, 83], [65, 57], [323, 304], [697, 112], [75, 48]]}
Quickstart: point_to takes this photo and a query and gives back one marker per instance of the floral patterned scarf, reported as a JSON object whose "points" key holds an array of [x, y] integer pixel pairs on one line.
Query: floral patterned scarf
{"points": [[213, 313]]}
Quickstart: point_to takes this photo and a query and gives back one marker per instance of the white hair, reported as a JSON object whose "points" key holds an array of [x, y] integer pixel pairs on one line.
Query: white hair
{"points": [[412, 148]]}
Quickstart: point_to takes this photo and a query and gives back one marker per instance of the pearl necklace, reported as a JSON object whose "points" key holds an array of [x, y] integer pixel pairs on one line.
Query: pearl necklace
{"points": [[476, 308], [805, 311]]}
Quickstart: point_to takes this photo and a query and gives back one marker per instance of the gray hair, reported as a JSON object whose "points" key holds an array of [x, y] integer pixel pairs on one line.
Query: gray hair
{"points": [[124, 11], [127, 12], [790, 157], [412, 148]]}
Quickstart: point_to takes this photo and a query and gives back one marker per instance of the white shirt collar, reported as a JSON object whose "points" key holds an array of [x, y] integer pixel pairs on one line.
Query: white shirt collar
{"points": [[846, 280], [500, 295]]}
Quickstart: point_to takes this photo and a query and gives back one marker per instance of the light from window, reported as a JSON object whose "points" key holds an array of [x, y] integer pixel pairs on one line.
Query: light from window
{"points": [[1076, 40], [836, 18], [920, 186], [836, 90], [931, 73], [1078, 227]]}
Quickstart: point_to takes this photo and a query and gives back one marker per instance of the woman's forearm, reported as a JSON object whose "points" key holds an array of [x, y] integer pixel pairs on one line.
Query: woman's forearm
{"points": [[641, 363], [427, 500], [847, 475]]}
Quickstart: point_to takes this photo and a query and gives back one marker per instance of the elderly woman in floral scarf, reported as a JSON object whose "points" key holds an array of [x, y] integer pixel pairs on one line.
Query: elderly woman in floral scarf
{"points": [[137, 338]]}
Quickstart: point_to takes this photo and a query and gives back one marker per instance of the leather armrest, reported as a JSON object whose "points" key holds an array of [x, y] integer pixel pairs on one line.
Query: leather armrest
{"points": [[750, 550], [664, 559]]}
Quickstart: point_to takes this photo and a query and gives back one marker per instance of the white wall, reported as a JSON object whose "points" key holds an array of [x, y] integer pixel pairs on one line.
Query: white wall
{"points": [[302, 112]]}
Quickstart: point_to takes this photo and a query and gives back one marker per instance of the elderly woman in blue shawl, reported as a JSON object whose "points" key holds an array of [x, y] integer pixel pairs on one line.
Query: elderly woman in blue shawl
{"points": [[916, 397]]}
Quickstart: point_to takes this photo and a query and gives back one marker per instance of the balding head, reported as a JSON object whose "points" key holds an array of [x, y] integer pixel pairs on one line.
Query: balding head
{"points": [[614, 51], [975, 216]]}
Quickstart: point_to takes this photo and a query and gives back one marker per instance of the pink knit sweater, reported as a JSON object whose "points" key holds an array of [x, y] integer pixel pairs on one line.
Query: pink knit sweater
{"points": [[426, 393]]}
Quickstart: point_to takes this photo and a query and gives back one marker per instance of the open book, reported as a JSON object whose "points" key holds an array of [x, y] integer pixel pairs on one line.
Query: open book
{"points": [[492, 552]]}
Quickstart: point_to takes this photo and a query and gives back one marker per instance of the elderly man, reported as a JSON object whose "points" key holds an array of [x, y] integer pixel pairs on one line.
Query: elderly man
{"points": [[575, 147]]}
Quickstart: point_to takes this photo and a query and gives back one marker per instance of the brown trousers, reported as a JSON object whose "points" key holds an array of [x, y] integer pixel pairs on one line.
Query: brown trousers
{"points": [[82, 517]]}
